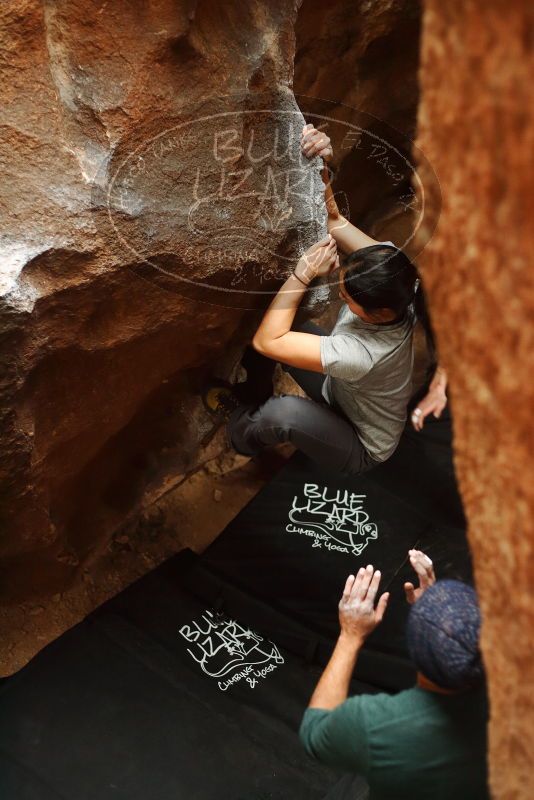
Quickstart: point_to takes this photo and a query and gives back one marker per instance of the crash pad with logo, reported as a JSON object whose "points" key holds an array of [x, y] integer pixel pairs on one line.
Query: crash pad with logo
{"points": [[296, 542], [158, 695]]}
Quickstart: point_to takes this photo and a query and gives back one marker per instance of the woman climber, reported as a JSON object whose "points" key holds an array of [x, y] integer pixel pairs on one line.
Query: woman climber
{"points": [[358, 379]]}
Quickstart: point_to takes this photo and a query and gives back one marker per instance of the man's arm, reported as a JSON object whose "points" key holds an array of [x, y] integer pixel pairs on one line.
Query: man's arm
{"points": [[333, 686], [358, 618], [348, 237], [333, 729], [274, 337]]}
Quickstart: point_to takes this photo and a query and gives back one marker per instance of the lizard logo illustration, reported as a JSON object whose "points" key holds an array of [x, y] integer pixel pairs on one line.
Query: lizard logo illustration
{"points": [[225, 649], [332, 516]]}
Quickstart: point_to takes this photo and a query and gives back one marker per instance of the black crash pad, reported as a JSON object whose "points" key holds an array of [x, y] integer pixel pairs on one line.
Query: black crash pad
{"points": [[157, 696], [296, 542], [190, 685]]}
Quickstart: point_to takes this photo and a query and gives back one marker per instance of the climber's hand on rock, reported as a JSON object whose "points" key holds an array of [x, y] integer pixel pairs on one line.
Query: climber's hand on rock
{"points": [[314, 142], [425, 572], [318, 260]]}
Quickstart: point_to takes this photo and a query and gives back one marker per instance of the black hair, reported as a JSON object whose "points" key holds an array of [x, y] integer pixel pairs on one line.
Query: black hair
{"points": [[382, 276]]}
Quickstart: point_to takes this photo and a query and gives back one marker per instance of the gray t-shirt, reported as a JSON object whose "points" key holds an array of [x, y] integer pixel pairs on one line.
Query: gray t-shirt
{"points": [[369, 377]]}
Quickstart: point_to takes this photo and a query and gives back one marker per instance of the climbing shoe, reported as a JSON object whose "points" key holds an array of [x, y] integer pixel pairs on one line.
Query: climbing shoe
{"points": [[220, 400]]}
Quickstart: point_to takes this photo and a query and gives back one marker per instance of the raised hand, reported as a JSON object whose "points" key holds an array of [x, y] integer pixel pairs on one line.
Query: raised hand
{"points": [[425, 572], [318, 260], [358, 616], [315, 143]]}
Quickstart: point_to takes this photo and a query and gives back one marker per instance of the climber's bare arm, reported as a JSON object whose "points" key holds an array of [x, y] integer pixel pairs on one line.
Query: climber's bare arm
{"points": [[348, 237], [274, 338], [292, 348]]}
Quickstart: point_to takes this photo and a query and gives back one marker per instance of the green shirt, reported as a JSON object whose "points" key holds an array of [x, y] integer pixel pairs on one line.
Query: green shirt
{"points": [[415, 745]]}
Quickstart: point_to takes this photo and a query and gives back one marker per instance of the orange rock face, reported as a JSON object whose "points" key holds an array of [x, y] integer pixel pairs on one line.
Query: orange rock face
{"points": [[476, 127]]}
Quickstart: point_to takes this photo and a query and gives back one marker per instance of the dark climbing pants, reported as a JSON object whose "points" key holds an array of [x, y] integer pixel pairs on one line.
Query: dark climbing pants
{"points": [[309, 423]]}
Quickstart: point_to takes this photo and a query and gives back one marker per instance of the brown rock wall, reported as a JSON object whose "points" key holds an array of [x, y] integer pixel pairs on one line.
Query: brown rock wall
{"points": [[356, 63], [150, 201], [151, 196]]}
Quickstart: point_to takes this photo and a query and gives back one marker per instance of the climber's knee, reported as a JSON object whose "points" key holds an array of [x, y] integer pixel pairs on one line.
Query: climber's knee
{"points": [[282, 415]]}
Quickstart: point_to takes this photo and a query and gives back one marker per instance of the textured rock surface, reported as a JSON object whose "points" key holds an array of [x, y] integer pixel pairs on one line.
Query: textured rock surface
{"points": [[362, 55], [476, 126], [142, 215], [148, 197], [356, 66], [104, 342]]}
